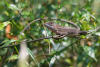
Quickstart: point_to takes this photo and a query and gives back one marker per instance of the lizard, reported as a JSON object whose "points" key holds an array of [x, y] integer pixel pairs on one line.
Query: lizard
{"points": [[62, 31]]}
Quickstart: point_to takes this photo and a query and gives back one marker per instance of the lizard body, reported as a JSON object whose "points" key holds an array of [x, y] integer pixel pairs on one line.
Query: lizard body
{"points": [[64, 31]]}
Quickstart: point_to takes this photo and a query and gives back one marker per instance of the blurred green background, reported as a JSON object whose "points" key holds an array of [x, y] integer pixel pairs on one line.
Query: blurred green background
{"points": [[65, 52]]}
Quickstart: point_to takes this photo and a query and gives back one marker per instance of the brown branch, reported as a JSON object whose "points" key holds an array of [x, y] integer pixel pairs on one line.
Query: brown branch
{"points": [[28, 41], [94, 30], [46, 18], [38, 40], [98, 28], [63, 20], [39, 19]]}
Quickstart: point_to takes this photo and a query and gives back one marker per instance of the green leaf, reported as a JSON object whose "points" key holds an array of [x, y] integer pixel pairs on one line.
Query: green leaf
{"points": [[13, 7], [97, 33], [8, 42], [32, 56], [13, 57], [2, 25], [3, 51], [52, 61], [87, 16], [25, 13], [90, 51]]}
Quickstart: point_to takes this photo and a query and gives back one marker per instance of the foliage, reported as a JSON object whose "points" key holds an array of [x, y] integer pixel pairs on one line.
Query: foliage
{"points": [[65, 52]]}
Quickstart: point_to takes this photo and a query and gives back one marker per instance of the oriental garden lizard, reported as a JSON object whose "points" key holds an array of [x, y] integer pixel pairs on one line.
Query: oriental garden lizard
{"points": [[62, 31]]}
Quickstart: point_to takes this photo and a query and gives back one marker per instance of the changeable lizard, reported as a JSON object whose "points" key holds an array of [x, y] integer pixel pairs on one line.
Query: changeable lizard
{"points": [[62, 31]]}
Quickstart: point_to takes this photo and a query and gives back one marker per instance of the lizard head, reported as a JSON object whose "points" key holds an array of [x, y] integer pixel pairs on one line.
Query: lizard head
{"points": [[83, 32], [49, 25]]}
